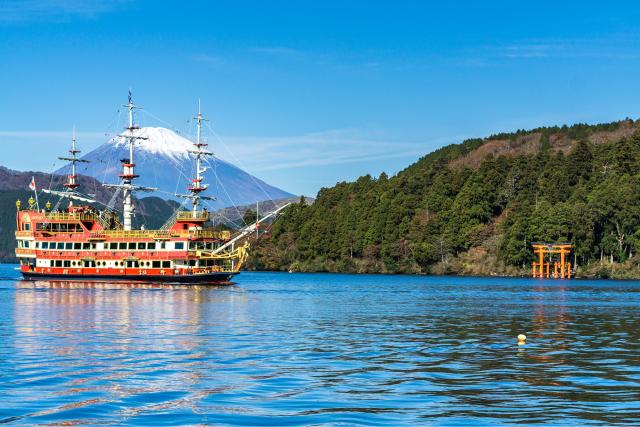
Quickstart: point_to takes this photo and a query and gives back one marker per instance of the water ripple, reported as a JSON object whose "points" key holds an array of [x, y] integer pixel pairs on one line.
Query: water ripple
{"points": [[299, 349]]}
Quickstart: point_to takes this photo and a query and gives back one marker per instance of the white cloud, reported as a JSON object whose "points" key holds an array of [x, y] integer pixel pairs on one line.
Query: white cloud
{"points": [[49, 134], [259, 154], [21, 11], [276, 50]]}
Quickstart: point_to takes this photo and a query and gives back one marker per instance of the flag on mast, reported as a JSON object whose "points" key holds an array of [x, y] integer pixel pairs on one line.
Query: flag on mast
{"points": [[32, 187]]}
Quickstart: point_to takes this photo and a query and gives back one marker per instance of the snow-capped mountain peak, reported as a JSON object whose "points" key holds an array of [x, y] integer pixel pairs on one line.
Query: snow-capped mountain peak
{"points": [[163, 161], [157, 141]]}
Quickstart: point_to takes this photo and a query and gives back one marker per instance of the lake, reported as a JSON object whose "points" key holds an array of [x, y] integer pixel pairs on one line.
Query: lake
{"points": [[299, 349]]}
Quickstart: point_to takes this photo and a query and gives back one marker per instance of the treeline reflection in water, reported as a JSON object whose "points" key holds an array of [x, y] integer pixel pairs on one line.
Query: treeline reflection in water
{"points": [[321, 349]]}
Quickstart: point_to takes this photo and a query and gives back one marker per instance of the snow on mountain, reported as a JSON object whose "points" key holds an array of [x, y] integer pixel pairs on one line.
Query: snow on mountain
{"points": [[157, 140], [163, 161]]}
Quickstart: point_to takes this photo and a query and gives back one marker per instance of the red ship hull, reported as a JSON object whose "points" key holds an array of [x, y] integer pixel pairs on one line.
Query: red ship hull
{"points": [[201, 279]]}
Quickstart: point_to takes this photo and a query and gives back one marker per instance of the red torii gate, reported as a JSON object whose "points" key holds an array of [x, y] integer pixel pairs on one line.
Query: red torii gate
{"points": [[561, 269]]}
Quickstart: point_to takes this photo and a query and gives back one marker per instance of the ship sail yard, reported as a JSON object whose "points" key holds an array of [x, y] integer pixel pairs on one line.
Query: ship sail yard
{"points": [[82, 242]]}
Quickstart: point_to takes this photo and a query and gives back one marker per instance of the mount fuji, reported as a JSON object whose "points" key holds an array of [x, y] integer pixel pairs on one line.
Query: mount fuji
{"points": [[163, 161]]}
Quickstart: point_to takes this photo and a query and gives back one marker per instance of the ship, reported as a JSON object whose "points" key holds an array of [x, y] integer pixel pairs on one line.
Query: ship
{"points": [[85, 242]]}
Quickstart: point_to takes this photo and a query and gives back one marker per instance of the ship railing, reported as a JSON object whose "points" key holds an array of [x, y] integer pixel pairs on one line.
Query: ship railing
{"points": [[134, 234], [112, 222], [67, 216], [210, 234], [189, 215]]}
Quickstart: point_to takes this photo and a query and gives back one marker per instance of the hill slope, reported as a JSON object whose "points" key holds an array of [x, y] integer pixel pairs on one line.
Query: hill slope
{"points": [[475, 207]]}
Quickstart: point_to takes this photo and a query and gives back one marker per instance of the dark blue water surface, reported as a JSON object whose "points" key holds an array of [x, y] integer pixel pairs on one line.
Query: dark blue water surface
{"points": [[298, 349]]}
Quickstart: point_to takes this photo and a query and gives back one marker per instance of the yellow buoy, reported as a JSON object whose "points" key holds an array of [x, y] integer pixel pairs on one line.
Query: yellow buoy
{"points": [[522, 338]]}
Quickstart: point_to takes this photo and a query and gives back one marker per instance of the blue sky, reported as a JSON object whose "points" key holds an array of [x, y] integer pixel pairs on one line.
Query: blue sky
{"points": [[305, 94]]}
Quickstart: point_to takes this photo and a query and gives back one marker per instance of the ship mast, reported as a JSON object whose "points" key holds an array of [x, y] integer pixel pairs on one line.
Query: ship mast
{"points": [[196, 183], [72, 179], [128, 174]]}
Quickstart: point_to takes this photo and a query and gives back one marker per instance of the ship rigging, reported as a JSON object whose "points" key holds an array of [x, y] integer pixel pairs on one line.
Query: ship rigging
{"points": [[83, 242]]}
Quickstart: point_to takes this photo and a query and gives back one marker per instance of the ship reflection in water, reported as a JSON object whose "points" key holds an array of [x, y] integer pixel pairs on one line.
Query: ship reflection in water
{"points": [[320, 349]]}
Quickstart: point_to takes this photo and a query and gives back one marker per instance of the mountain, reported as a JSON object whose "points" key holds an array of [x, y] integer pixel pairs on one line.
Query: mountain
{"points": [[233, 216], [163, 161], [475, 208]]}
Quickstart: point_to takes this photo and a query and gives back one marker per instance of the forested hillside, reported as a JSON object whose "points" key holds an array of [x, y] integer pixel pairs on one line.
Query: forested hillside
{"points": [[475, 208]]}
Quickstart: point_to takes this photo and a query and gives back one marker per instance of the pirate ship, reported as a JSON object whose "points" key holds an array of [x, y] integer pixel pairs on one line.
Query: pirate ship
{"points": [[84, 242]]}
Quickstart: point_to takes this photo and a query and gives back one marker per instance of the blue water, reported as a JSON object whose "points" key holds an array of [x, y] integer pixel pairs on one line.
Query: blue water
{"points": [[298, 349]]}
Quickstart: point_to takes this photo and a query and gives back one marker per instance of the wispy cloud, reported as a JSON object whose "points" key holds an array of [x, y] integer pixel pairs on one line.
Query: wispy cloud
{"points": [[613, 46], [208, 59], [259, 154], [276, 51], [533, 50], [24, 11], [21, 134]]}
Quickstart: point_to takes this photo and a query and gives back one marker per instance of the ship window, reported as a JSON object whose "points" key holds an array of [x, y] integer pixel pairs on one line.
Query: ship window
{"points": [[166, 264], [63, 227], [50, 263], [58, 263], [37, 245], [68, 246], [163, 245], [142, 245], [113, 245], [26, 226], [151, 246], [192, 262], [192, 245], [77, 245], [179, 245], [155, 264], [45, 245], [122, 246], [132, 245], [60, 245], [67, 263]]}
